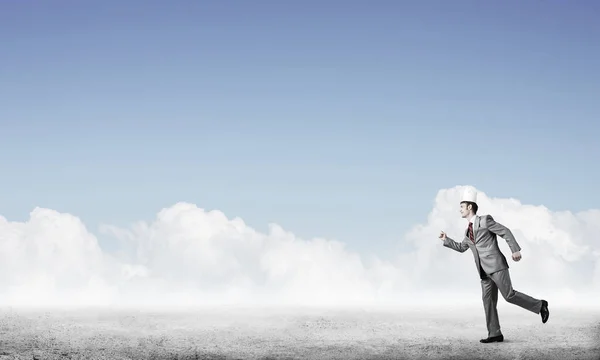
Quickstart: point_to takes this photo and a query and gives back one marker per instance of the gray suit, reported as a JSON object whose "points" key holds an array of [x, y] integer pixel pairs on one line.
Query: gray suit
{"points": [[493, 268]]}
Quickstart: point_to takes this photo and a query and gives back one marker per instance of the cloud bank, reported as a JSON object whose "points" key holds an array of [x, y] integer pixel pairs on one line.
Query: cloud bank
{"points": [[188, 256]]}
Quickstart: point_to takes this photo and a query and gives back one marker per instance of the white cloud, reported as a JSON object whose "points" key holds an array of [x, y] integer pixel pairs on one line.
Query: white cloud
{"points": [[191, 256]]}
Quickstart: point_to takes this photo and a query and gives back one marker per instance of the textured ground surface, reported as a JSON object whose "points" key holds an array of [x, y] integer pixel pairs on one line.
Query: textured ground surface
{"points": [[295, 334]]}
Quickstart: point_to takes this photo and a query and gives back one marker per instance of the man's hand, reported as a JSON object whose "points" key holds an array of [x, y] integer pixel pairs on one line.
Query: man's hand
{"points": [[443, 236], [516, 256]]}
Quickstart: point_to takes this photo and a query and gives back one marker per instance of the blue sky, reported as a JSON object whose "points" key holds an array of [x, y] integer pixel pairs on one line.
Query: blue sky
{"points": [[334, 119]]}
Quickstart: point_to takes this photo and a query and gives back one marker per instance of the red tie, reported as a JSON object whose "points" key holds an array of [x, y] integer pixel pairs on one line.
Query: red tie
{"points": [[470, 232]]}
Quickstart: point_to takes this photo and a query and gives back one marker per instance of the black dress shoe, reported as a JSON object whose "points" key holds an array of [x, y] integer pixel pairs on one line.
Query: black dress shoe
{"points": [[544, 311], [499, 338]]}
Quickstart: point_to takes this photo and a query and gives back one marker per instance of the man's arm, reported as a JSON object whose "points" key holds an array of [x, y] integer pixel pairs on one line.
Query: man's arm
{"points": [[503, 232], [460, 247]]}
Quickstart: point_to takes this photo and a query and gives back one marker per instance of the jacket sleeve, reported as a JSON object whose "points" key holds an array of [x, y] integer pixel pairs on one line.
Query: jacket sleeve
{"points": [[503, 232], [460, 247]]}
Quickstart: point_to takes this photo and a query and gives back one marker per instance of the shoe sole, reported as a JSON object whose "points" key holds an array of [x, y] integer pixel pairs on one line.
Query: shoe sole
{"points": [[489, 342]]}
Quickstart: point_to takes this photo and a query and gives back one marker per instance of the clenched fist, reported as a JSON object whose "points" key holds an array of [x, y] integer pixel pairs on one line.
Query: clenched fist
{"points": [[516, 256], [443, 236]]}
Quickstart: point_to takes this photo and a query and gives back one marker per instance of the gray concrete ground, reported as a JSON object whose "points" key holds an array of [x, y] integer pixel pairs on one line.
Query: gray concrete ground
{"points": [[252, 333]]}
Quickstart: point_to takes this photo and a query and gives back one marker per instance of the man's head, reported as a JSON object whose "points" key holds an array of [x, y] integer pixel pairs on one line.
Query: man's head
{"points": [[468, 209], [468, 203]]}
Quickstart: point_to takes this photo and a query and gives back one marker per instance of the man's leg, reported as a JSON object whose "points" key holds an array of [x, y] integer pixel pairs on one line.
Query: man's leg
{"points": [[489, 293], [502, 280]]}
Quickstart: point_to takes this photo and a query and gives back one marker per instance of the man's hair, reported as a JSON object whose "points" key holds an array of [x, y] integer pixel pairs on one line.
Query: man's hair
{"points": [[474, 206]]}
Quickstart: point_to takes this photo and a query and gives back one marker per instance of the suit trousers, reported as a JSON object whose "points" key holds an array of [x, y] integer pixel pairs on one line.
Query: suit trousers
{"points": [[490, 285]]}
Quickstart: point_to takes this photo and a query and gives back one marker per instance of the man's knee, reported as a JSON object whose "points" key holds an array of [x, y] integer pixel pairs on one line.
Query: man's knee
{"points": [[487, 292], [510, 295]]}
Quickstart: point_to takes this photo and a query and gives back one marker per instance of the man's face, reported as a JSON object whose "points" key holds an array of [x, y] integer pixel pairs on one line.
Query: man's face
{"points": [[464, 210]]}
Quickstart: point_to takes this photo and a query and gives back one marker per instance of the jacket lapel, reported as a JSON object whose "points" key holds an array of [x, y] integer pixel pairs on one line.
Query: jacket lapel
{"points": [[475, 227]]}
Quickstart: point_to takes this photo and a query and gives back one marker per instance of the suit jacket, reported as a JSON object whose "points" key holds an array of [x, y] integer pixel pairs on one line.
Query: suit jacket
{"points": [[487, 254]]}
